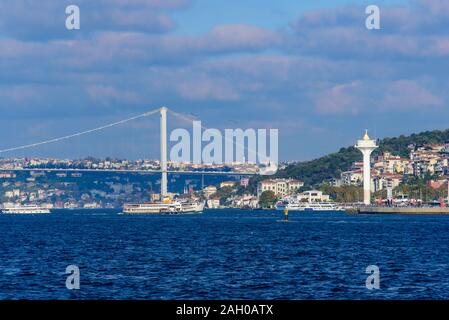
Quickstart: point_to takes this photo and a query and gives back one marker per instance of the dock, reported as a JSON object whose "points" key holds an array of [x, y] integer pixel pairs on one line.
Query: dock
{"points": [[398, 210]]}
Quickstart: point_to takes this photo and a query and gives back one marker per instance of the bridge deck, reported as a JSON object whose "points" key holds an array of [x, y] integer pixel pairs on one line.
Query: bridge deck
{"points": [[129, 171]]}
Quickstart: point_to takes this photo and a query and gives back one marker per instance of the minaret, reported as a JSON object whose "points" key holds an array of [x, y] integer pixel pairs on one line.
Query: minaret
{"points": [[366, 146], [164, 151]]}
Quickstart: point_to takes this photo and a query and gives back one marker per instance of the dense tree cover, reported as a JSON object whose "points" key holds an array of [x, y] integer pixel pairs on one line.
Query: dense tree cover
{"points": [[224, 194], [344, 193], [267, 199], [316, 171]]}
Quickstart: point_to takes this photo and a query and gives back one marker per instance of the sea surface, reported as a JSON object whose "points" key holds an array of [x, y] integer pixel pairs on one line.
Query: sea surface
{"points": [[223, 254]]}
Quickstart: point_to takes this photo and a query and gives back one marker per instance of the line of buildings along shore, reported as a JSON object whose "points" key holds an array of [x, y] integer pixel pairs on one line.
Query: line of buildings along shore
{"points": [[388, 170], [281, 188]]}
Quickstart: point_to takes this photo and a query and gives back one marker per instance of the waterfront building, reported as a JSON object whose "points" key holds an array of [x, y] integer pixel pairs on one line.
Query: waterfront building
{"points": [[213, 203], [280, 187], [245, 201], [313, 196], [92, 205]]}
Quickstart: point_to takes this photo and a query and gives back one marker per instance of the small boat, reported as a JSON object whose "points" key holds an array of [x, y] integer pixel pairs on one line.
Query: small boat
{"points": [[25, 209]]}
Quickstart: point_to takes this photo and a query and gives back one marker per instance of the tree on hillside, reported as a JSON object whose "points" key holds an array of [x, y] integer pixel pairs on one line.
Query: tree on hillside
{"points": [[267, 199], [325, 168], [344, 193], [224, 194]]}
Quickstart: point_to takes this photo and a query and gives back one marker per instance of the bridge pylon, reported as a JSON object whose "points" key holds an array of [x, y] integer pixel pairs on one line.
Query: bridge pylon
{"points": [[163, 164]]}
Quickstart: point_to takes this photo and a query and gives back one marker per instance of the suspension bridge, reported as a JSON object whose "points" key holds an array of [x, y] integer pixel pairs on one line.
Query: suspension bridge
{"points": [[163, 151]]}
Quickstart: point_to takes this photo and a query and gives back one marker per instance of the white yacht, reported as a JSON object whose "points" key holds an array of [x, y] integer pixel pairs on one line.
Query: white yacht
{"points": [[25, 209], [307, 206], [164, 207]]}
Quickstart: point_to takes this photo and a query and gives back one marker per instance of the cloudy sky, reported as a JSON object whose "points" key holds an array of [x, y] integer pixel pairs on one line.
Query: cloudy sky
{"points": [[309, 68]]}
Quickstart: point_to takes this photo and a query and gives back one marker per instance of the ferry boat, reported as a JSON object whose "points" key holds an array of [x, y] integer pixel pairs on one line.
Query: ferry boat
{"points": [[164, 207], [307, 206], [25, 209]]}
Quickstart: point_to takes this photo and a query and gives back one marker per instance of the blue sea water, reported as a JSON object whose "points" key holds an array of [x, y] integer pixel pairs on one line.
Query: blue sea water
{"points": [[223, 254]]}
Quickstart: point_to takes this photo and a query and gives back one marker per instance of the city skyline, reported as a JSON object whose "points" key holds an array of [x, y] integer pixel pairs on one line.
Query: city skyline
{"points": [[312, 70]]}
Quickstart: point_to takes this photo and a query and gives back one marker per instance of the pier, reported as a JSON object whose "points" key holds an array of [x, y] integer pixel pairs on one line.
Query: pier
{"points": [[398, 210]]}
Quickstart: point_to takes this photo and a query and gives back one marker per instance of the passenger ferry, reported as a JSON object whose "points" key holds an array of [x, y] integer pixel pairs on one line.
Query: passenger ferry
{"points": [[307, 206], [25, 209], [164, 207]]}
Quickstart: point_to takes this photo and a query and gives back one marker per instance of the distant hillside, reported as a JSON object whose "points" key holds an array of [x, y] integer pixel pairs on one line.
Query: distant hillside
{"points": [[315, 171]]}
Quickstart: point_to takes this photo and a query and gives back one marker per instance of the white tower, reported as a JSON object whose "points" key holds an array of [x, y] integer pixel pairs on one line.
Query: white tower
{"points": [[164, 151], [366, 146]]}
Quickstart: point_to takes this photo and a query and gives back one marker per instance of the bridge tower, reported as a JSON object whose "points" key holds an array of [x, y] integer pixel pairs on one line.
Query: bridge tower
{"points": [[163, 125]]}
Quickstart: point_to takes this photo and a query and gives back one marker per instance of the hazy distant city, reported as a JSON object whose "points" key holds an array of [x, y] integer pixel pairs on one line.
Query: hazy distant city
{"points": [[118, 164]]}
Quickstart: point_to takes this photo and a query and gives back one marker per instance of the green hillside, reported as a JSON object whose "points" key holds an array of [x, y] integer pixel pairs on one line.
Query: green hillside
{"points": [[330, 166]]}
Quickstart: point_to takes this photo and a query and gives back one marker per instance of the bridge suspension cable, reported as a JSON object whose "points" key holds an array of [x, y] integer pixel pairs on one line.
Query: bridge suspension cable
{"points": [[189, 119], [146, 114]]}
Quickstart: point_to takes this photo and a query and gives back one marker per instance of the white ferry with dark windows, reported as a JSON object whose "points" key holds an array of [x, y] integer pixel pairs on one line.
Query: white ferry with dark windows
{"points": [[167, 206], [25, 209], [292, 204]]}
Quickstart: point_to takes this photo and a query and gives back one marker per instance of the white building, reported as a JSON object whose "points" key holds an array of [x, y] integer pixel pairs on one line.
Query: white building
{"points": [[355, 178], [213, 203], [209, 191], [7, 175], [246, 200], [313, 196], [280, 187], [92, 205], [351, 178], [387, 180], [9, 194]]}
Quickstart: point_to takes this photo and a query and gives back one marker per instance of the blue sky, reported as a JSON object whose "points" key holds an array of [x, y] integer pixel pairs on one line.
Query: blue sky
{"points": [[309, 68], [203, 15]]}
